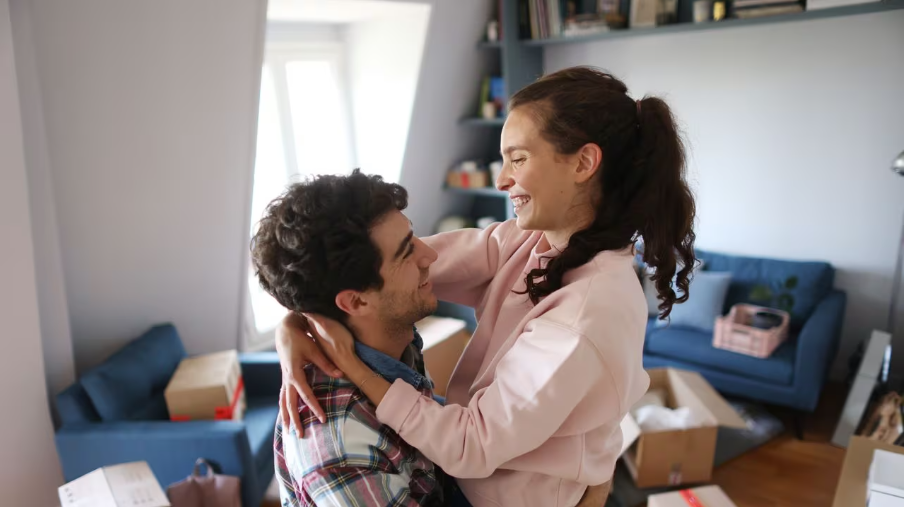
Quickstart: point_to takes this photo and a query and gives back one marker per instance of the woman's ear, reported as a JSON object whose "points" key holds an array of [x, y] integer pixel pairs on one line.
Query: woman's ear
{"points": [[590, 158], [352, 302]]}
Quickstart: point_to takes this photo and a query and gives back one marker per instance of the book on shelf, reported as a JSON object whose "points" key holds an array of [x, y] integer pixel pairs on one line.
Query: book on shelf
{"points": [[548, 19]]}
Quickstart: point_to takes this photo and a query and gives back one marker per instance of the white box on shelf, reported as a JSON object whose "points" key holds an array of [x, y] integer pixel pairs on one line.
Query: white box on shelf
{"points": [[885, 487]]}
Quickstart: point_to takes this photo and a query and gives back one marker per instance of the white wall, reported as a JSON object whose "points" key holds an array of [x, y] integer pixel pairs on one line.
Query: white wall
{"points": [[383, 56], [150, 112], [29, 469], [56, 336], [792, 129], [447, 90]]}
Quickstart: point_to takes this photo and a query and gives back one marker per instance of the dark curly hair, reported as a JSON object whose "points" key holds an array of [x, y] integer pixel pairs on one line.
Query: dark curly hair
{"points": [[643, 189], [313, 241]]}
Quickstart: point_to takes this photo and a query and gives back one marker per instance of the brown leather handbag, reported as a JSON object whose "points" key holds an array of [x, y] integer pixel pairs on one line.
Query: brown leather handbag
{"points": [[209, 490]]}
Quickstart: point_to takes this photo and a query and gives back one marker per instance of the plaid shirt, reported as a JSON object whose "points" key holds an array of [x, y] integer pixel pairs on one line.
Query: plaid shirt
{"points": [[354, 460]]}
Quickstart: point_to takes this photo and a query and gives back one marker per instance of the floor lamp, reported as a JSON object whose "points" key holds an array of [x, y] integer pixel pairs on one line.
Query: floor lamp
{"points": [[898, 167], [876, 357]]}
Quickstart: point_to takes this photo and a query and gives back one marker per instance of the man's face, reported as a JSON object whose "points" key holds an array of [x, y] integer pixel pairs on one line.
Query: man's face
{"points": [[407, 295]]}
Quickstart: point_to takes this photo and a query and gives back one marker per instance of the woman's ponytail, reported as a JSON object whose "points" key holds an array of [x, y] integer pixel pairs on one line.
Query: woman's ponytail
{"points": [[666, 203]]}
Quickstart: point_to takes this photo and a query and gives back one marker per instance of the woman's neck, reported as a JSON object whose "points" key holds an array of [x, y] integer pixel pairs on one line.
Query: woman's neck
{"points": [[558, 239]]}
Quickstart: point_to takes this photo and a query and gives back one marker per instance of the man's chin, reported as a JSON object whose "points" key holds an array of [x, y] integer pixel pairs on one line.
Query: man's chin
{"points": [[429, 307]]}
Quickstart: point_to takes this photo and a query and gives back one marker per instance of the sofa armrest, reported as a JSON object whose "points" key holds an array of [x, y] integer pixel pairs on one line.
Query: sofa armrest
{"points": [[170, 448], [262, 374], [817, 345]]}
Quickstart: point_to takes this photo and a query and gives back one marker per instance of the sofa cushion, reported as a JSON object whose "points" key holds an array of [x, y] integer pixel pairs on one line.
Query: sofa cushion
{"points": [[707, 292], [154, 410], [695, 346], [260, 421], [74, 406], [131, 378], [814, 280]]}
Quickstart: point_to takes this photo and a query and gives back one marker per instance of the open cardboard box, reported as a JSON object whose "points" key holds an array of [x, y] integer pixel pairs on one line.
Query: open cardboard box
{"points": [[852, 484], [670, 458]]}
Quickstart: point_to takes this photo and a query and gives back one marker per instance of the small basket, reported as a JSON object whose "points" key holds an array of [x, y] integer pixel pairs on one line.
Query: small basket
{"points": [[733, 332]]}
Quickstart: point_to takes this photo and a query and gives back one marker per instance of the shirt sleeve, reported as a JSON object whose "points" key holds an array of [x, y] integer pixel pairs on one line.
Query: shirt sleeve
{"points": [[538, 384], [467, 261], [341, 486]]}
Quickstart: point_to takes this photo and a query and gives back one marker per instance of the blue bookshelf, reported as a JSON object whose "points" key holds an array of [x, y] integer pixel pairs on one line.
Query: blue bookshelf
{"points": [[848, 10]]}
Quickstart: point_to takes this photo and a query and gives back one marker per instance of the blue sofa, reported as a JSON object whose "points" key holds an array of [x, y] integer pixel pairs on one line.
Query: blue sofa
{"points": [[116, 413], [794, 374]]}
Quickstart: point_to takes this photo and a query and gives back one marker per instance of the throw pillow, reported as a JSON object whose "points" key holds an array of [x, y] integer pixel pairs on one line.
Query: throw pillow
{"points": [[707, 296], [649, 289]]}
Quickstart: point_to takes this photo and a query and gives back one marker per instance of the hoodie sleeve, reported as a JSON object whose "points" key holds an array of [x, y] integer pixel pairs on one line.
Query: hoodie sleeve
{"points": [[468, 259], [537, 386]]}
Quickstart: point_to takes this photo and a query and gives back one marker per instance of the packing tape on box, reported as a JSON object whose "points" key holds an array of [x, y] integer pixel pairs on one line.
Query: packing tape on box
{"points": [[227, 412], [690, 498]]}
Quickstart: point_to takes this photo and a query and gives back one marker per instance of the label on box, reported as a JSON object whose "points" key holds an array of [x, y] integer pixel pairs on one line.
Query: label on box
{"points": [[675, 474]]}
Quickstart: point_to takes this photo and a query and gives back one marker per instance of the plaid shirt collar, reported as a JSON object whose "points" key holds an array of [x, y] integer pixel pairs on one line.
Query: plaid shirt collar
{"points": [[410, 369]]}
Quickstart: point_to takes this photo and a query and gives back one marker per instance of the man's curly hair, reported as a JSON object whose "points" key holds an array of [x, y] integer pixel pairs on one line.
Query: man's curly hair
{"points": [[313, 241]]}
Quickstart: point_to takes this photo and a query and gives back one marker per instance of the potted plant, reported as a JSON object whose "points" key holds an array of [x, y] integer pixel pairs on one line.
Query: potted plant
{"points": [[775, 295]]}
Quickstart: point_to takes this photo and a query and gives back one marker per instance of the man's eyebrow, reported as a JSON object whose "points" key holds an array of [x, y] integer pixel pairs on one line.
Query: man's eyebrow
{"points": [[403, 245]]}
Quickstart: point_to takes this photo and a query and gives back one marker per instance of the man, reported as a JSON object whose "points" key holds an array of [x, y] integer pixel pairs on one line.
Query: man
{"points": [[340, 246]]}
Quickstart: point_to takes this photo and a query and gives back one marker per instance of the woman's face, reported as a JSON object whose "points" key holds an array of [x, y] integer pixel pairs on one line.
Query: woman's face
{"points": [[539, 180]]}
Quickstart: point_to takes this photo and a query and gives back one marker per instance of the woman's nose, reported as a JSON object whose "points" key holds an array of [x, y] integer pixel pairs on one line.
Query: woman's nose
{"points": [[504, 181]]}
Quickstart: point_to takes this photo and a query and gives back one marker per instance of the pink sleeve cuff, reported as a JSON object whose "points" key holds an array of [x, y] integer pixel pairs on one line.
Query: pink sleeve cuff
{"points": [[398, 402]]}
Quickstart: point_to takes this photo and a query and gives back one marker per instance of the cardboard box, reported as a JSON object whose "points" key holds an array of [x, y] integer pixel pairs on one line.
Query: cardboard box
{"points": [[444, 341], [670, 458], [886, 479], [708, 496], [126, 485], [852, 485], [207, 387]]}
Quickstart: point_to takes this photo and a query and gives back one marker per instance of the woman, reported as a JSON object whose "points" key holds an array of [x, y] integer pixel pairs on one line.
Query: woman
{"points": [[534, 405]]}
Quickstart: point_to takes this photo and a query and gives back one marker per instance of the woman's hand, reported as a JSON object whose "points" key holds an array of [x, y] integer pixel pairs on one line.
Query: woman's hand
{"points": [[297, 348], [334, 338], [339, 345]]}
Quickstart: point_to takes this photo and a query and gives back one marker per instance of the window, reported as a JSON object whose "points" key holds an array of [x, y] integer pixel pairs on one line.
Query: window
{"points": [[303, 130]]}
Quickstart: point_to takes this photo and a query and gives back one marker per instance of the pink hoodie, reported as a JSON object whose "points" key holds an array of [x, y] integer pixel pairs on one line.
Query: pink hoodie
{"points": [[535, 402]]}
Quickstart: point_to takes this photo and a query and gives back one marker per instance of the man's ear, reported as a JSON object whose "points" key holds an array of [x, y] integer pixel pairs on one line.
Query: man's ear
{"points": [[352, 302]]}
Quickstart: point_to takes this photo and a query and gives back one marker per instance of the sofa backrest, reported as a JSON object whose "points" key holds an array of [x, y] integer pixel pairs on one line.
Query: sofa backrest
{"points": [[814, 280], [129, 385]]}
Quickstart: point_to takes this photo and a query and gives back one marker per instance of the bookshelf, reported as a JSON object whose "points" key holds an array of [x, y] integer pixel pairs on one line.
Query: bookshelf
{"points": [[833, 12]]}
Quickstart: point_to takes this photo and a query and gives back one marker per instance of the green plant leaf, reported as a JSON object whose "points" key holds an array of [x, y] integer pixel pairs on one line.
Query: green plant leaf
{"points": [[761, 293], [785, 302], [791, 283]]}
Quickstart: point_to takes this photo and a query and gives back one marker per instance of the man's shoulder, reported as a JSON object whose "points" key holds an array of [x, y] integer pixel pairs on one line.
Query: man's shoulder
{"points": [[351, 428]]}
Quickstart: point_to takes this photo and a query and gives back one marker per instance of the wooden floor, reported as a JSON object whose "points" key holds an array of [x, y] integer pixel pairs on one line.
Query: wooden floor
{"points": [[786, 471]]}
